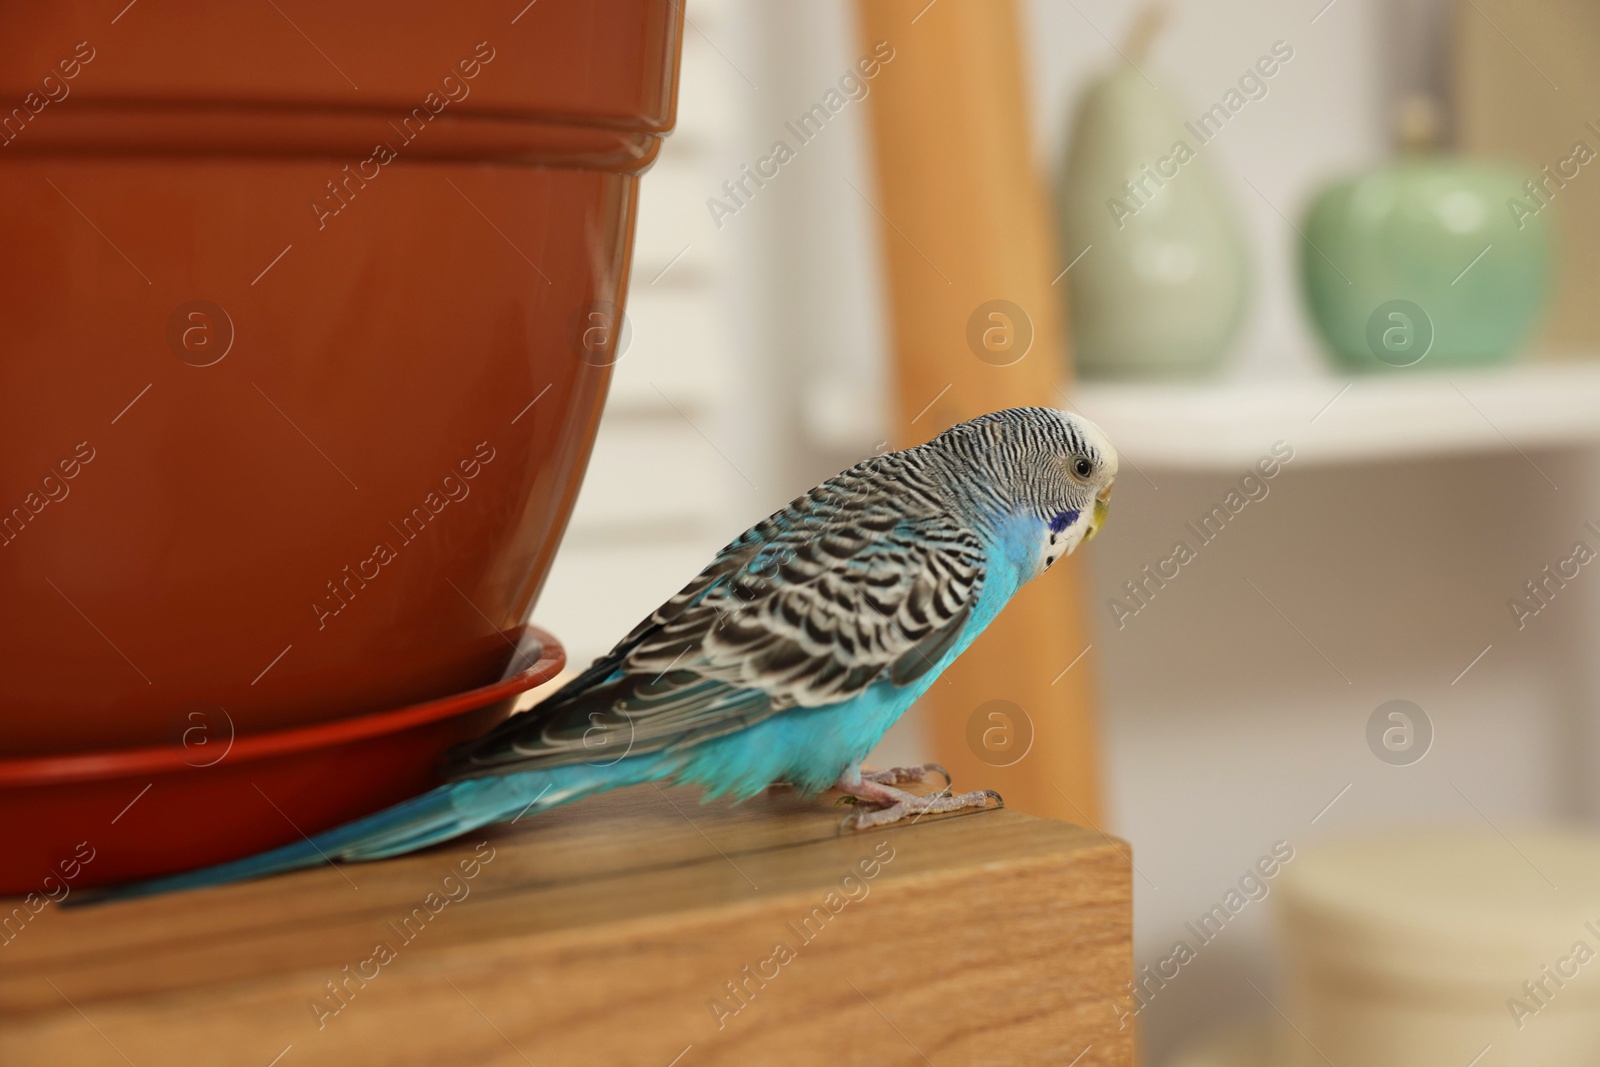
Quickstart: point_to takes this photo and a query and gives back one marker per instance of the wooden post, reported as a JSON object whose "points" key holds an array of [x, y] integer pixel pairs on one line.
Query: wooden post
{"points": [[964, 226]]}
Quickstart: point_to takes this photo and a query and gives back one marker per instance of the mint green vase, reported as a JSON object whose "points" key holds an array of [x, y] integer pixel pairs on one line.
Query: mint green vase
{"points": [[1425, 263], [1159, 278]]}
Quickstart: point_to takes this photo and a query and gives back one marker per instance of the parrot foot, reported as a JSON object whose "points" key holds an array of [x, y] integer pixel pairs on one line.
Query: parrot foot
{"points": [[897, 804], [896, 775]]}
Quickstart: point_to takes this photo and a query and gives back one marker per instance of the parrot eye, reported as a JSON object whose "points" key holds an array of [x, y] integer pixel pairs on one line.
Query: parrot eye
{"points": [[1082, 467]]}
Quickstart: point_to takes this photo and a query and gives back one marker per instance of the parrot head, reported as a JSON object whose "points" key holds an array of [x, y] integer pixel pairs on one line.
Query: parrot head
{"points": [[1051, 469], [1084, 466]]}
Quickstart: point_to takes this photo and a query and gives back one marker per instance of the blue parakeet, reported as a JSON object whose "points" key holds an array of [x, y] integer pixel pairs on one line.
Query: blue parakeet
{"points": [[788, 657]]}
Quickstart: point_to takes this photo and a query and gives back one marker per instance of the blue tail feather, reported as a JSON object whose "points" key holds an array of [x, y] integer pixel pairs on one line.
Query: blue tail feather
{"points": [[445, 812]]}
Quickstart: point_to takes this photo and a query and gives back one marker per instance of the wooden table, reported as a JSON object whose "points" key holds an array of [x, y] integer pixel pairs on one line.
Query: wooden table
{"points": [[638, 928]]}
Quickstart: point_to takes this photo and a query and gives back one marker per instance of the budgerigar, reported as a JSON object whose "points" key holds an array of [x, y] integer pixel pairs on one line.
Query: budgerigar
{"points": [[787, 658]]}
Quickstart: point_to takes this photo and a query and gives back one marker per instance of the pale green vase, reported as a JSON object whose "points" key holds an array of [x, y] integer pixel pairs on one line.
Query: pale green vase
{"points": [[1163, 279], [1427, 263]]}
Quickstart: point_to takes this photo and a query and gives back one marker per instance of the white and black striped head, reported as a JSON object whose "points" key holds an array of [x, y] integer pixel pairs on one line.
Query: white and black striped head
{"points": [[1038, 465]]}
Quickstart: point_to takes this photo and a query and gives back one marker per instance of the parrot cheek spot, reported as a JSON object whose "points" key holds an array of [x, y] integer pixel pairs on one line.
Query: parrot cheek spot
{"points": [[1063, 520]]}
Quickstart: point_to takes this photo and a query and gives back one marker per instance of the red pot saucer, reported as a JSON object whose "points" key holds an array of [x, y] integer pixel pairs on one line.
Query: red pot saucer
{"points": [[100, 818]]}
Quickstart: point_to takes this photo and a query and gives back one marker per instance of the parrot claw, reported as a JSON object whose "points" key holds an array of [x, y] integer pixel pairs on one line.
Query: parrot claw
{"points": [[897, 775], [897, 804]]}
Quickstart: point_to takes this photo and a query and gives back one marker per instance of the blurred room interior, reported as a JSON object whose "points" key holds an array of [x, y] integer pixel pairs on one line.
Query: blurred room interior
{"points": [[1322, 270], [1233, 709]]}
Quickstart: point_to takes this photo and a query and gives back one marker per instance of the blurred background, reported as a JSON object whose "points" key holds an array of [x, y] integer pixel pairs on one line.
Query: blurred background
{"points": [[1231, 310]]}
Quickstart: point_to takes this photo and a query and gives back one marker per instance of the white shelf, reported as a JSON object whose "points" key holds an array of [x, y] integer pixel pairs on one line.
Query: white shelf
{"points": [[1226, 426]]}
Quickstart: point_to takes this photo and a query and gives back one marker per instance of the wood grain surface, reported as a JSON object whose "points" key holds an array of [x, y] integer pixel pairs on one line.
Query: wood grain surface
{"points": [[638, 928]]}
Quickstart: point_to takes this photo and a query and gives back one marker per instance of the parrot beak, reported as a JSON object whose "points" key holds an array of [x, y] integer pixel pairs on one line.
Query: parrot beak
{"points": [[1102, 508]]}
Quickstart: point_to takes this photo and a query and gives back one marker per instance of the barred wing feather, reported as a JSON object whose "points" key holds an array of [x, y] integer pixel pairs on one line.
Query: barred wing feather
{"points": [[845, 586]]}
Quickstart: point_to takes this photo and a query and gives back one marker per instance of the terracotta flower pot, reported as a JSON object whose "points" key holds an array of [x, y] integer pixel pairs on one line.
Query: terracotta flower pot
{"points": [[214, 796], [309, 313]]}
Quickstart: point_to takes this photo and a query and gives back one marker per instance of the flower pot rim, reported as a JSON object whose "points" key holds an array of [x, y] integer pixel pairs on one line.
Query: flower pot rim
{"points": [[169, 759]]}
